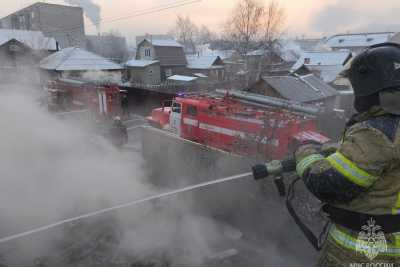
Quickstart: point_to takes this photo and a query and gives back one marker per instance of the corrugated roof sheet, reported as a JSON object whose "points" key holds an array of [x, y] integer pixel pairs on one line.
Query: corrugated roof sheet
{"points": [[201, 62], [140, 63], [33, 39], [358, 40], [301, 89], [73, 58]]}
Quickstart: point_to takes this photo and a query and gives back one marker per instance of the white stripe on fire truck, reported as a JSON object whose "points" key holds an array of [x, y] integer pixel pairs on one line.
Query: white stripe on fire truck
{"points": [[221, 130], [105, 102], [100, 103], [191, 122]]}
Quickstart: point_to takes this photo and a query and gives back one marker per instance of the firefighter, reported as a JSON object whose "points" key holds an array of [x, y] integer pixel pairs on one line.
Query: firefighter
{"points": [[125, 105], [118, 132], [360, 182]]}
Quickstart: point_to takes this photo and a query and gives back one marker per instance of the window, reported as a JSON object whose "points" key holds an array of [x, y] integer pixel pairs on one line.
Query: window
{"points": [[168, 72], [32, 15], [147, 52], [192, 111]]}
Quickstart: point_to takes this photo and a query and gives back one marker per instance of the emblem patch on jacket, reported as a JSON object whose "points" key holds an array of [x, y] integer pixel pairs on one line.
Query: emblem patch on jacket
{"points": [[371, 240]]}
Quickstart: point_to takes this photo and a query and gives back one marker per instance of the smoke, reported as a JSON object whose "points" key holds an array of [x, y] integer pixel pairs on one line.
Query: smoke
{"points": [[103, 76], [92, 10], [359, 16], [53, 169]]}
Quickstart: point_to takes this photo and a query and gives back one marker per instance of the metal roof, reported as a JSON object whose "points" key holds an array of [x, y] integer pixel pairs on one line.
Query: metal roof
{"points": [[202, 62], [140, 63], [33, 39], [200, 75], [306, 88], [164, 42], [327, 73], [73, 58], [327, 64], [182, 78], [328, 58], [359, 39]]}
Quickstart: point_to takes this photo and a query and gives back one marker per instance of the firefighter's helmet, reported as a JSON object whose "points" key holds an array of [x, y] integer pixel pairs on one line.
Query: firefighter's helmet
{"points": [[375, 69]]}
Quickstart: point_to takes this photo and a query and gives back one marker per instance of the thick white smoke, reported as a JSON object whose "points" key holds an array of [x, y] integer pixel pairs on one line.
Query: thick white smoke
{"points": [[52, 170]]}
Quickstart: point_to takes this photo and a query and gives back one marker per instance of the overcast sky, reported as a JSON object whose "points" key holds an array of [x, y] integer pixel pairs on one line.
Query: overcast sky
{"points": [[304, 17]]}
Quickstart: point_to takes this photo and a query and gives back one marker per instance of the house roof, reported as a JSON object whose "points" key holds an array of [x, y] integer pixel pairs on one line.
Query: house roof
{"points": [[33, 39], [182, 78], [154, 37], [164, 42], [328, 64], [73, 58], [358, 40], [202, 62], [140, 63], [306, 88], [329, 58], [327, 73], [200, 75], [204, 50]]}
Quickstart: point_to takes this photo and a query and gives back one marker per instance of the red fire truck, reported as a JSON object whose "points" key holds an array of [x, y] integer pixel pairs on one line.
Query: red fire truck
{"points": [[71, 95], [239, 125]]}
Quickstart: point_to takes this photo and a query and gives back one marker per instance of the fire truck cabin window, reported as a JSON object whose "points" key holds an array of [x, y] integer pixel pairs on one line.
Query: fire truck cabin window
{"points": [[192, 111], [176, 107]]}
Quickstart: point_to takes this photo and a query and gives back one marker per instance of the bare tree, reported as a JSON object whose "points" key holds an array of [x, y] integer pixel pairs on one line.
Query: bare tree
{"points": [[244, 24], [205, 35], [253, 22], [273, 27], [273, 24], [185, 31]]}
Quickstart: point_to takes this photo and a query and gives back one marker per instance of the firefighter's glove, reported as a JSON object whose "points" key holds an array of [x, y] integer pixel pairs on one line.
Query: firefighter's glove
{"points": [[329, 148], [273, 168], [306, 149], [306, 156]]}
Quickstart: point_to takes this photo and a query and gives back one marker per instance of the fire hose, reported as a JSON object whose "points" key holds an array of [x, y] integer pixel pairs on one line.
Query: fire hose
{"points": [[276, 169]]}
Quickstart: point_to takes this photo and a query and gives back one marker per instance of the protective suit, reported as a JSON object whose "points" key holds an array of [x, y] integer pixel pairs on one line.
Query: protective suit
{"points": [[360, 182]]}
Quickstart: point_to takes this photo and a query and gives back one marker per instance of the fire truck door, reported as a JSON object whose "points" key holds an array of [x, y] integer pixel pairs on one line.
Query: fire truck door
{"points": [[176, 118]]}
